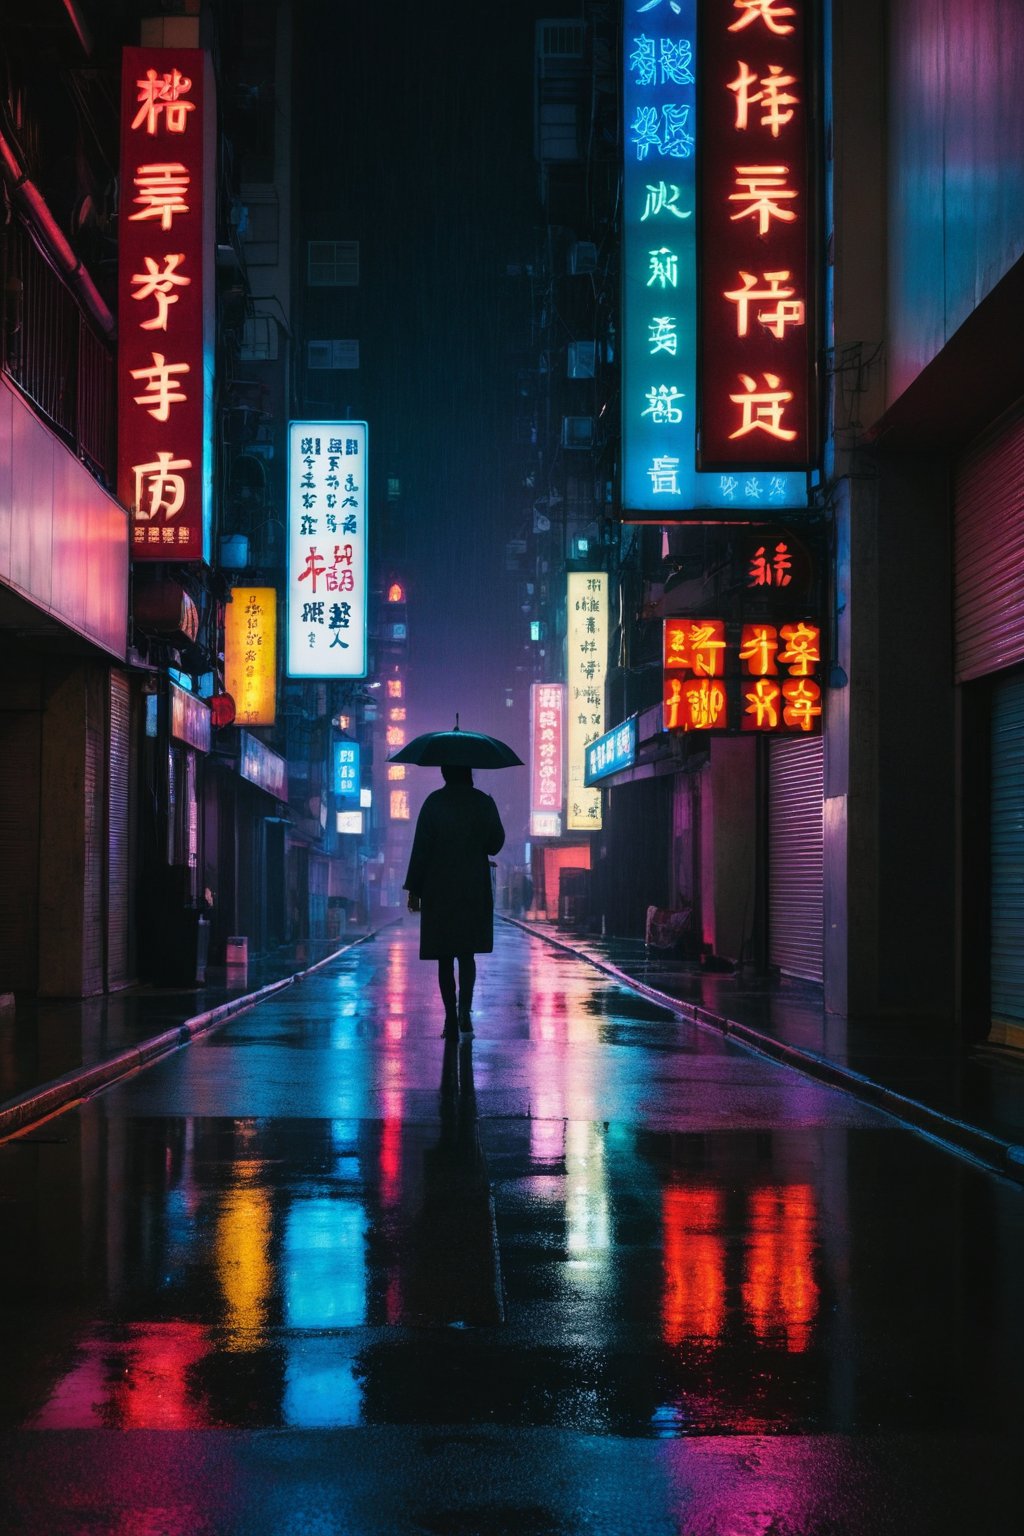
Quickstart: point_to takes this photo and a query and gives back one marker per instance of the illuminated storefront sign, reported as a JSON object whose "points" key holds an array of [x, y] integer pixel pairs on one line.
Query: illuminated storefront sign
{"points": [[547, 751], [614, 750], [166, 245], [660, 480], [587, 650], [755, 233], [348, 823], [262, 767], [346, 770], [748, 677], [399, 805], [250, 654], [190, 718], [327, 548]]}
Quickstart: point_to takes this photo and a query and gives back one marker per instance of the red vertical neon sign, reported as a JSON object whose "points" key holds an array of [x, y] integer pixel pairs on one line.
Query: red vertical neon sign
{"points": [[756, 353], [165, 301]]}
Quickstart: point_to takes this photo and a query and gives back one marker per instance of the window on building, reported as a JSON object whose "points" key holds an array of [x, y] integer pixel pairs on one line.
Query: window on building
{"points": [[333, 263]]}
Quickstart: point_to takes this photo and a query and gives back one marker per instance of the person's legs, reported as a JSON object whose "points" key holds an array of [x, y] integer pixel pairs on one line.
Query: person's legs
{"points": [[467, 981], [446, 982]]}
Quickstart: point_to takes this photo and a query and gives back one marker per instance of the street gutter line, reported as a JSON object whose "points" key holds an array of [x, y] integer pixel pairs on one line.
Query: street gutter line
{"points": [[28, 1110], [978, 1147]]}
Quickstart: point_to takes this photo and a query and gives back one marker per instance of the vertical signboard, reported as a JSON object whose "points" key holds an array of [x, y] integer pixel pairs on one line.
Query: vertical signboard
{"points": [[587, 647], [757, 394], [166, 244], [346, 770], [547, 748], [327, 548], [250, 654], [660, 479]]}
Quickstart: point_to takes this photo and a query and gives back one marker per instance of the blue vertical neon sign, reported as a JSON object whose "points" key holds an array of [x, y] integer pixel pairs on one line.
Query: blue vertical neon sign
{"points": [[346, 770], [660, 481]]}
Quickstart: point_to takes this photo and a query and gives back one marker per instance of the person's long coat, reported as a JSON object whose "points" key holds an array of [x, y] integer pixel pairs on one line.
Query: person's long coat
{"points": [[457, 832]]}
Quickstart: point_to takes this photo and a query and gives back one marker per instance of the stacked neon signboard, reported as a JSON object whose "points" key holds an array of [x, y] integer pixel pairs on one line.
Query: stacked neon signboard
{"points": [[757, 666], [547, 718], [756, 311], [663, 237], [587, 650], [327, 548], [166, 243]]}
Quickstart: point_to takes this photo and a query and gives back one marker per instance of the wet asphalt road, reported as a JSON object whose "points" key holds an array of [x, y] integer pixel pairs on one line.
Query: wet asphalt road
{"points": [[594, 1271]]}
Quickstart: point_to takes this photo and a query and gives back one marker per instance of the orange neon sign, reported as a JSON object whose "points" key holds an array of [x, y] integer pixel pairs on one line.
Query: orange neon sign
{"points": [[761, 679], [250, 654]]}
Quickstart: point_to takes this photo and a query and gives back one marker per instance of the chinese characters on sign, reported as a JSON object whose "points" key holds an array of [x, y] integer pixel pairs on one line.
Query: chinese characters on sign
{"points": [[165, 302], [346, 770], [659, 393], [755, 235], [547, 714], [587, 650], [327, 549], [766, 678], [250, 654], [615, 750]]}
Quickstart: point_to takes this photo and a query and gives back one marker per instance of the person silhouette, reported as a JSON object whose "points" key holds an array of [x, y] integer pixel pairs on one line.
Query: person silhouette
{"points": [[449, 884]]}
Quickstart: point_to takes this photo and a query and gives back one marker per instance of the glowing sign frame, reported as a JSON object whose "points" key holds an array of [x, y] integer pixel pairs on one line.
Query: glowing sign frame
{"points": [[613, 751], [660, 479], [166, 318], [758, 390], [250, 654], [327, 510], [347, 770], [760, 677], [587, 652], [547, 752]]}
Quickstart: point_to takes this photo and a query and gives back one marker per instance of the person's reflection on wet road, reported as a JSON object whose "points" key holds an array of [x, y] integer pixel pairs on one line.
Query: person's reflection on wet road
{"points": [[455, 1275]]}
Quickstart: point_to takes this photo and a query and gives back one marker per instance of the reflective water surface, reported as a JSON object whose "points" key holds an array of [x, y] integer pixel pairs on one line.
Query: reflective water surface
{"points": [[589, 1220]]}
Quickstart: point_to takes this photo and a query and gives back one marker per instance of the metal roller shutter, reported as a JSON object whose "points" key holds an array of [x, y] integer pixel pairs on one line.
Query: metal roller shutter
{"points": [[988, 534], [796, 918], [1007, 830]]}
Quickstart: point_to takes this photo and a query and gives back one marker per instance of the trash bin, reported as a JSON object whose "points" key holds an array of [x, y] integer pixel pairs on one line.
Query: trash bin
{"points": [[237, 952], [573, 897]]}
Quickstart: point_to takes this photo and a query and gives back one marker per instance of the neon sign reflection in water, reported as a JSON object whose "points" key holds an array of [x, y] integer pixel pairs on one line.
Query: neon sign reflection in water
{"points": [[324, 1262]]}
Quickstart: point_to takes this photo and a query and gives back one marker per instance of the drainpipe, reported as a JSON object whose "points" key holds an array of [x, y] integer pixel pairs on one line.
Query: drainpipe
{"points": [[52, 236]]}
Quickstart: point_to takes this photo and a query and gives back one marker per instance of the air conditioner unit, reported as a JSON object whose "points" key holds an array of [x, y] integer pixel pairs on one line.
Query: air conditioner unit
{"points": [[582, 256], [577, 431], [582, 359]]}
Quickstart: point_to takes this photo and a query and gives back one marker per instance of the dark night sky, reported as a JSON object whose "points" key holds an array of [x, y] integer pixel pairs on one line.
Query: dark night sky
{"points": [[421, 115]]}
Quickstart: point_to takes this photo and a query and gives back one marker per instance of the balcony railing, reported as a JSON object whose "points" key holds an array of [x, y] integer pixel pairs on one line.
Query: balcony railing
{"points": [[51, 350]]}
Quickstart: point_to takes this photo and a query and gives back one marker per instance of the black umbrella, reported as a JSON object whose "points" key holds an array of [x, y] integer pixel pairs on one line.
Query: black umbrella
{"points": [[457, 749]]}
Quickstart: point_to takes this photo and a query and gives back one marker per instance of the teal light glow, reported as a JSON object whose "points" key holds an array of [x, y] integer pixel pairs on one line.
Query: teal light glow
{"points": [[660, 481]]}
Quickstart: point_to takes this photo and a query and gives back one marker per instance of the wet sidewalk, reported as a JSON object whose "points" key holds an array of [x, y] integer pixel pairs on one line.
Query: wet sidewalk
{"points": [[971, 1099], [54, 1051]]}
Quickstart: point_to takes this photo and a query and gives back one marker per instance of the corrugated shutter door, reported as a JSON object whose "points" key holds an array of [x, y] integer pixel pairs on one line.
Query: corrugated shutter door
{"points": [[117, 832], [796, 919], [1007, 974], [988, 538]]}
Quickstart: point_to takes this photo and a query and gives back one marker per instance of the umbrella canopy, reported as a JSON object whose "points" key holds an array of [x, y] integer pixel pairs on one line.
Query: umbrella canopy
{"points": [[457, 749]]}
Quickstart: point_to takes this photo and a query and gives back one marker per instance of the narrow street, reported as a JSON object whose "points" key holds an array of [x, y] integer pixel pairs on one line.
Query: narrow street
{"points": [[593, 1270]]}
